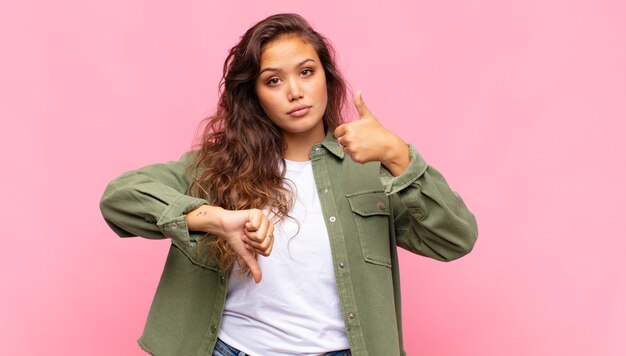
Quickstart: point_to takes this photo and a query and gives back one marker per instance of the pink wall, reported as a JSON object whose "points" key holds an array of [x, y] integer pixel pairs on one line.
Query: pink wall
{"points": [[521, 104]]}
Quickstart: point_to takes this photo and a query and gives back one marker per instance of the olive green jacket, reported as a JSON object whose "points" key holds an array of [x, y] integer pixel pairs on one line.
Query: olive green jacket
{"points": [[368, 212]]}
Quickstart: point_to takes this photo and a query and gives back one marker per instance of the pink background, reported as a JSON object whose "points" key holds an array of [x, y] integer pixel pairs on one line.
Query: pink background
{"points": [[521, 104]]}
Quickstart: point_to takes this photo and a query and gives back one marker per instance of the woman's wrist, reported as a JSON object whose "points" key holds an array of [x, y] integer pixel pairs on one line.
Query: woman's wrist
{"points": [[397, 158], [206, 218]]}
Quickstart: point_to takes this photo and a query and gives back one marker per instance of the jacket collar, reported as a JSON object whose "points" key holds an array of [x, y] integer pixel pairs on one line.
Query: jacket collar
{"points": [[331, 144]]}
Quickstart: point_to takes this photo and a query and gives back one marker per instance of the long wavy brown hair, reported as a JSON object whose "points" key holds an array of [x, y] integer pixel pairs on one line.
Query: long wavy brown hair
{"points": [[241, 149]]}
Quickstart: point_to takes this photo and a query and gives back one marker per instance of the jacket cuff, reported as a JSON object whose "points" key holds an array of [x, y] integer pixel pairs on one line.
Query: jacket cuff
{"points": [[173, 224], [417, 166]]}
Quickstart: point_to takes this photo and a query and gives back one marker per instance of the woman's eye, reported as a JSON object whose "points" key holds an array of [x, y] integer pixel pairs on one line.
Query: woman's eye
{"points": [[306, 72], [273, 81]]}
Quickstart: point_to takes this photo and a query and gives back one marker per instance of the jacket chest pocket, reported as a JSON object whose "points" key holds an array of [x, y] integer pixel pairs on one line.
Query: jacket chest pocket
{"points": [[199, 254], [371, 215]]}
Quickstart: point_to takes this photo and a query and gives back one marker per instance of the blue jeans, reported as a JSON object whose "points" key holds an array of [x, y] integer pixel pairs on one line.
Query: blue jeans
{"points": [[223, 349]]}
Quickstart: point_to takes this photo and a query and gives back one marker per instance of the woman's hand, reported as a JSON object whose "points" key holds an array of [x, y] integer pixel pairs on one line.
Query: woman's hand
{"points": [[366, 140], [249, 232]]}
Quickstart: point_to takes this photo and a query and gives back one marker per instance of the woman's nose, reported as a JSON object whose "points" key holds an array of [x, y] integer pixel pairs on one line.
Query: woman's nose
{"points": [[294, 92]]}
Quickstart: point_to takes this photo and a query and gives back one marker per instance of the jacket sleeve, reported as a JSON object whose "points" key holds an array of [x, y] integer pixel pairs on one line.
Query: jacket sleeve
{"points": [[151, 202], [430, 219]]}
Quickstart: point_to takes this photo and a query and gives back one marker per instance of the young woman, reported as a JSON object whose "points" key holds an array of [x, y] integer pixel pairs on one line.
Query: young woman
{"points": [[284, 223]]}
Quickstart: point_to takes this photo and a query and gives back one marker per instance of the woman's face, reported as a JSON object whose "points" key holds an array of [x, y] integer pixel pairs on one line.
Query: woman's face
{"points": [[291, 87]]}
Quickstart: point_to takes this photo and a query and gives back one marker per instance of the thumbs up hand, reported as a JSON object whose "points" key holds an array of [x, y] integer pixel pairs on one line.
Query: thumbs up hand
{"points": [[366, 140]]}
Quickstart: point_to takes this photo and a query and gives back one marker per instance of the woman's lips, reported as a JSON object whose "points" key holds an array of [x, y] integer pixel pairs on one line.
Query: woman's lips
{"points": [[300, 111]]}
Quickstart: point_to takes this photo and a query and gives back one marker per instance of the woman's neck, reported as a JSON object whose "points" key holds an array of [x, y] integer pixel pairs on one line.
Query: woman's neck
{"points": [[299, 145]]}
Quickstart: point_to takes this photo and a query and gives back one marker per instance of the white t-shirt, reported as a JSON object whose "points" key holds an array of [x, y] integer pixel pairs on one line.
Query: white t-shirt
{"points": [[295, 309]]}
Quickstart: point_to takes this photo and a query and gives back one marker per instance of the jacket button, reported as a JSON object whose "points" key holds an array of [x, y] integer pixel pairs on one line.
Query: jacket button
{"points": [[341, 264], [173, 225], [332, 219], [381, 205], [351, 316], [222, 279], [213, 328]]}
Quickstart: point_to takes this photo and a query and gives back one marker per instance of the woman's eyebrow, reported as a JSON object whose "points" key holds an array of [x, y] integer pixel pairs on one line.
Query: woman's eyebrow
{"points": [[270, 69]]}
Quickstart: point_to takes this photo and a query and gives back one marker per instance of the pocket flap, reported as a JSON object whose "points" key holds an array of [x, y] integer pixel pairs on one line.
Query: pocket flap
{"points": [[198, 254], [369, 203]]}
